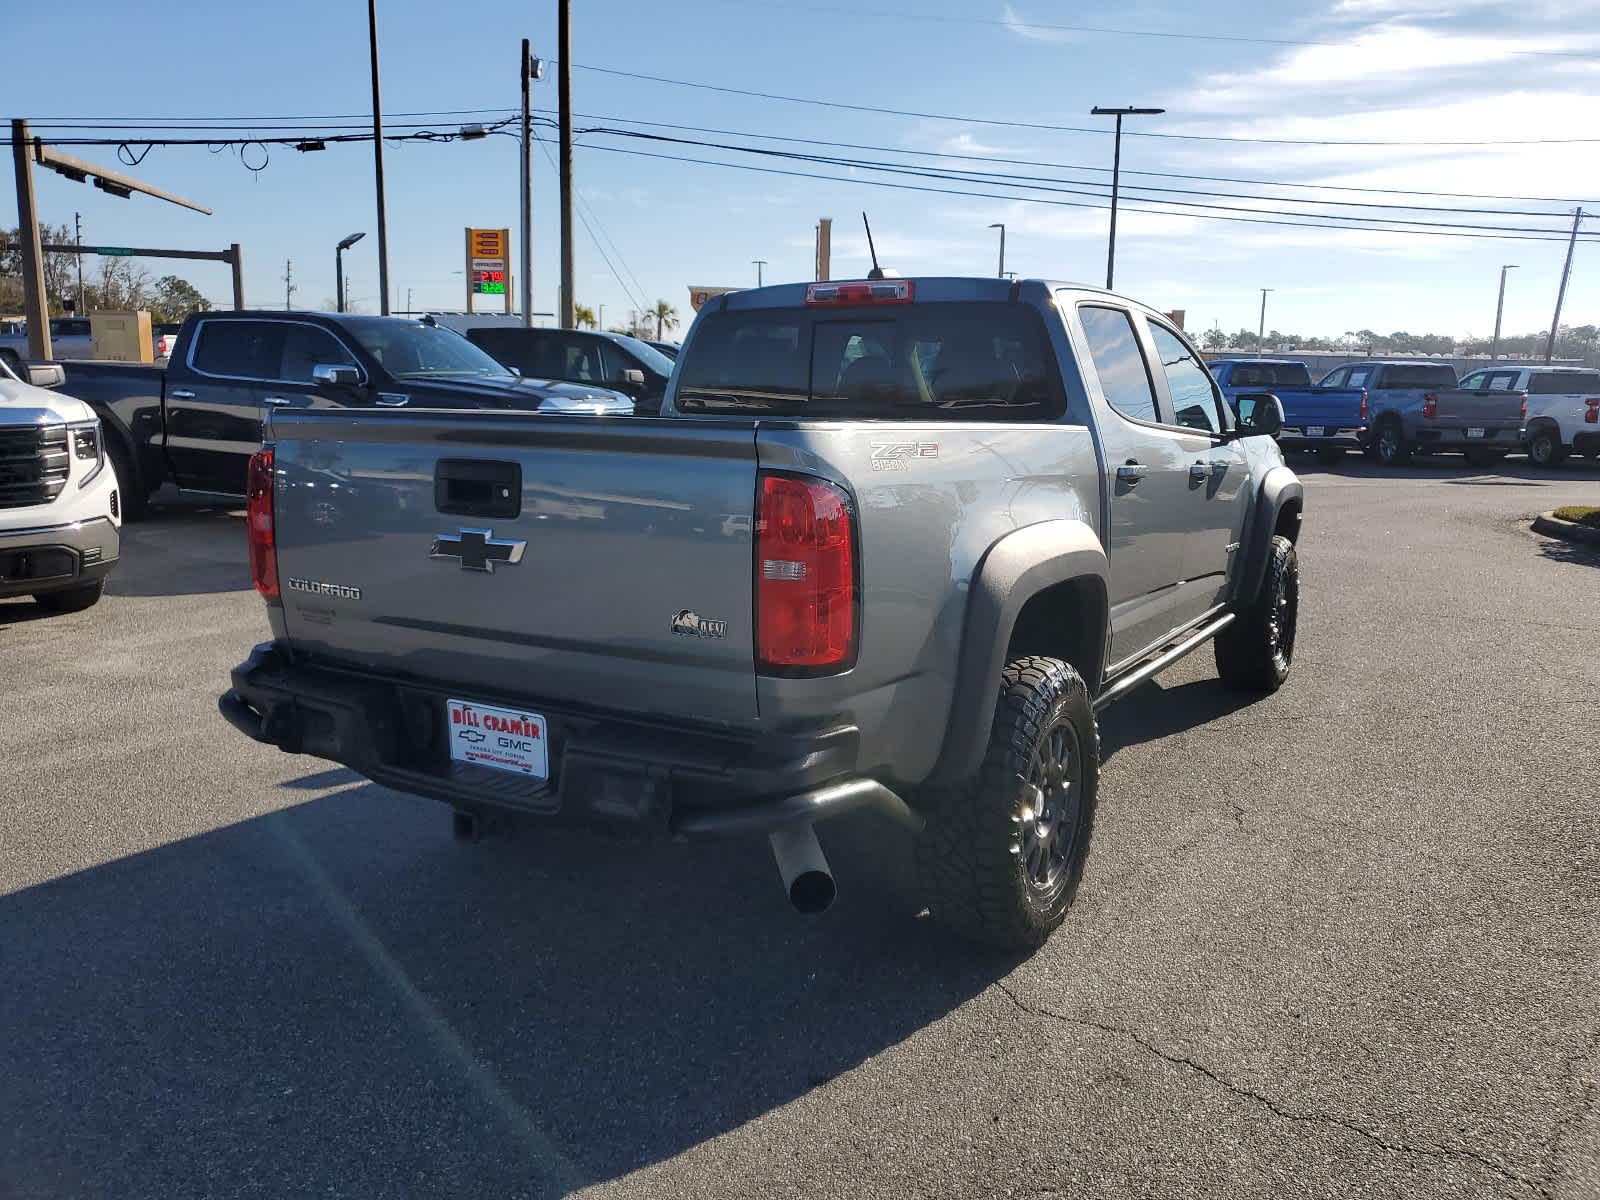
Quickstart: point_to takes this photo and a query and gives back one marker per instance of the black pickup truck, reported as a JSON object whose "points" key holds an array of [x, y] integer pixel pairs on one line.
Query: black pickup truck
{"points": [[197, 421]]}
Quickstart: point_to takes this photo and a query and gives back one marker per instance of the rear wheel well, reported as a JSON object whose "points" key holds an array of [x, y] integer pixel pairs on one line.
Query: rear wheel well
{"points": [[1066, 621]]}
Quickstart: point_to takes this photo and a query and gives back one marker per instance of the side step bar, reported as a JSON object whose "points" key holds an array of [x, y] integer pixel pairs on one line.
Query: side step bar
{"points": [[1126, 683]]}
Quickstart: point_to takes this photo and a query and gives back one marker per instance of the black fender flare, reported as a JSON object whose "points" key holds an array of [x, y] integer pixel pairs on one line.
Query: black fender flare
{"points": [[1011, 572], [1280, 489]]}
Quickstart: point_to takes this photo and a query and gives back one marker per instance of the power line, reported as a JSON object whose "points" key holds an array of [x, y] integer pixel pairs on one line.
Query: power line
{"points": [[1031, 162], [1111, 31], [1040, 182], [990, 121], [1072, 203], [544, 148]]}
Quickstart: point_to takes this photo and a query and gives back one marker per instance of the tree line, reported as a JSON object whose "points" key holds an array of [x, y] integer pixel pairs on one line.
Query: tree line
{"points": [[109, 284], [1572, 341]]}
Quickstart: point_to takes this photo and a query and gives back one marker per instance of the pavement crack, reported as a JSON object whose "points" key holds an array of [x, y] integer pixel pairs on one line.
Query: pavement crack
{"points": [[1278, 1110], [1586, 1093]]}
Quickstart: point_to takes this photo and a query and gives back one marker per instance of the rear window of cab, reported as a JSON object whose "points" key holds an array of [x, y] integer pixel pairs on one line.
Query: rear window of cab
{"points": [[950, 361]]}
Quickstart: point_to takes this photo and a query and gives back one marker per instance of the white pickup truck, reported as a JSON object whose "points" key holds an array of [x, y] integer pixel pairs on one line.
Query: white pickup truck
{"points": [[60, 514], [1561, 413]]}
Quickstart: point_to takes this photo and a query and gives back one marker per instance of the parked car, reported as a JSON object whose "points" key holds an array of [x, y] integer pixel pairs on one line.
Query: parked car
{"points": [[1561, 413], [69, 338], [197, 420], [59, 512], [670, 349], [890, 545], [165, 337], [1418, 408], [1325, 420], [612, 360]]}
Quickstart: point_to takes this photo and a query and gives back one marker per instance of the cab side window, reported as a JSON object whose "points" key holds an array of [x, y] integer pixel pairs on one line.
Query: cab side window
{"points": [[1194, 396], [239, 349], [305, 347], [1119, 362], [1335, 378]]}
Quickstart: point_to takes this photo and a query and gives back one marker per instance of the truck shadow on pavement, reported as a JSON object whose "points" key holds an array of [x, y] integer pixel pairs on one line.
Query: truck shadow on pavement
{"points": [[183, 549], [337, 998]]}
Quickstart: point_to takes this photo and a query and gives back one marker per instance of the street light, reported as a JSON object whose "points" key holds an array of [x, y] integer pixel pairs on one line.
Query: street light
{"points": [[1499, 308], [338, 266], [1000, 225], [1261, 330], [1116, 171]]}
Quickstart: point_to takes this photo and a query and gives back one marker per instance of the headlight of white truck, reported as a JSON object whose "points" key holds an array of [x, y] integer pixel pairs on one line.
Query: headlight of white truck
{"points": [[88, 448]]}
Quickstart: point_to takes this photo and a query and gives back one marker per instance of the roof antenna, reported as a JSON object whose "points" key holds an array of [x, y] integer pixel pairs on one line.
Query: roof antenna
{"points": [[877, 271]]}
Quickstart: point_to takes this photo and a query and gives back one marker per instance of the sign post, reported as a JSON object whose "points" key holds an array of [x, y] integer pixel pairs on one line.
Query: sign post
{"points": [[489, 265]]}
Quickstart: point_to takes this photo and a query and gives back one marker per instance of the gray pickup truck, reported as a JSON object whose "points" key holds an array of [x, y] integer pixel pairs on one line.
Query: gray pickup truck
{"points": [[1418, 408], [890, 545]]}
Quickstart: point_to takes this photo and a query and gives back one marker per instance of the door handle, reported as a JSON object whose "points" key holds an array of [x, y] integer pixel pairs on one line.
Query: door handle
{"points": [[1131, 472], [275, 401], [180, 395], [1199, 472]]}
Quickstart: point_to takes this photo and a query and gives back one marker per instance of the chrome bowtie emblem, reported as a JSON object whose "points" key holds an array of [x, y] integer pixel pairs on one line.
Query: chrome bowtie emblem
{"points": [[477, 549]]}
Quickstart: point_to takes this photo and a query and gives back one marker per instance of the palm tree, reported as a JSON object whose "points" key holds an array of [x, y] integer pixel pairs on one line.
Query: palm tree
{"points": [[666, 317], [583, 316]]}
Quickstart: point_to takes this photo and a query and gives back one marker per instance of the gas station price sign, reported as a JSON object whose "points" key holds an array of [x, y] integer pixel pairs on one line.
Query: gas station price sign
{"points": [[488, 253]]}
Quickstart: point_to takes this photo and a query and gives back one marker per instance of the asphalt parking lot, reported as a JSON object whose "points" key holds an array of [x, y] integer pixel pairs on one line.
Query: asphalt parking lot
{"points": [[1341, 942]]}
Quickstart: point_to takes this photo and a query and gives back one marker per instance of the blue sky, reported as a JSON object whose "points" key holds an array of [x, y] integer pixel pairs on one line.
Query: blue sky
{"points": [[1416, 70]]}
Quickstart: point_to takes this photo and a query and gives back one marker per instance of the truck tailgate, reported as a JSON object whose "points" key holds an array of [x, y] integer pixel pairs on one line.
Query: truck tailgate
{"points": [[1490, 410], [550, 559], [1331, 408]]}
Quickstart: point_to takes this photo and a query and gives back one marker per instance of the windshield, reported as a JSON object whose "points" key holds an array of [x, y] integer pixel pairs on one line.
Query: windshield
{"points": [[647, 354], [415, 350], [1269, 375]]}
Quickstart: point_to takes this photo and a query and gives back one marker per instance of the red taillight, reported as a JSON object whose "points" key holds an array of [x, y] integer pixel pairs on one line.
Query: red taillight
{"points": [[876, 291], [1430, 404], [258, 524], [1363, 404], [1591, 411], [1524, 409], [805, 577]]}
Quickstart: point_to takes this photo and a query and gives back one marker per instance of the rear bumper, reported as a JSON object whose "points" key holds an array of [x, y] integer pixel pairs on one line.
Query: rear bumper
{"points": [[1343, 438], [1454, 437], [604, 768], [56, 557]]}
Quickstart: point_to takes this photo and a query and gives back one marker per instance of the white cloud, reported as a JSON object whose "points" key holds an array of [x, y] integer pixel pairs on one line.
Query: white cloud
{"points": [[965, 143], [1034, 33]]}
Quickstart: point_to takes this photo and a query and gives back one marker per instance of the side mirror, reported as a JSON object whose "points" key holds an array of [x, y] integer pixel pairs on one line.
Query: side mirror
{"points": [[336, 374], [1260, 414], [633, 377], [46, 375]]}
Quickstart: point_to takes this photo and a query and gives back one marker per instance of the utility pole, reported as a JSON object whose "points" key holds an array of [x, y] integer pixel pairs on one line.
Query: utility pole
{"points": [[1261, 330], [1561, 294], [1499, 308], [288, 283], [1116, 172], [377, 163], [1001, 227], [601, 319], [758, 263], [530, 70], [34, 304], [409, 309], [565, 102], [77, 237]]}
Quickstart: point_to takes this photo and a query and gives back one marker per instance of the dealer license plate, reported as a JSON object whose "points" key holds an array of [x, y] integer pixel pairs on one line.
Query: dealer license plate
{"points": [[1475, 431], [505, 739], [1314, 430]]}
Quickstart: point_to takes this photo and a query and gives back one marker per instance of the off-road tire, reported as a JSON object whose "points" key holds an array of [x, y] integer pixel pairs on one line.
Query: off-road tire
{"points": [[1544, 447], [970, 863], [1389, 443], [1254, 653], [70, 600], [1482, 456]]}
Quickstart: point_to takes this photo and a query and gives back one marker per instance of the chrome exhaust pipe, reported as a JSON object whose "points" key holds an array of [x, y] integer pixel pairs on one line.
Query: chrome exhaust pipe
{"points": [[806, 877]]}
